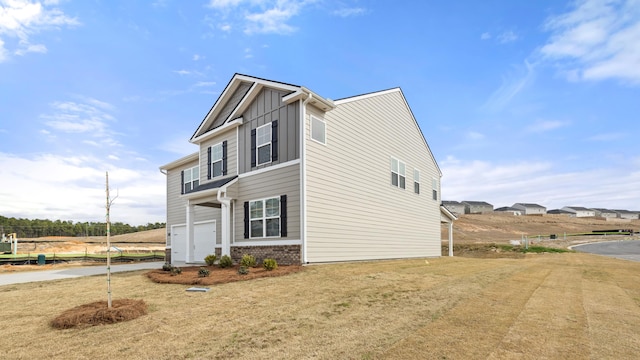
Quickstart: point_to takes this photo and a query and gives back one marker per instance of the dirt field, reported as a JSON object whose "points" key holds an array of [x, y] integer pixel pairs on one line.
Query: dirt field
{"points": [[547, 306]]}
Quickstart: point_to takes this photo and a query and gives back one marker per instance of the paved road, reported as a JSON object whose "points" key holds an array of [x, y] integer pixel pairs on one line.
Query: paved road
{"points": [[626, 249], [66, 273]]}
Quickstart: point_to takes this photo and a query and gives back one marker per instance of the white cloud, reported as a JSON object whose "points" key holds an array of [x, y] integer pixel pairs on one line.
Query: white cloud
{"points": [[507, 37], [197, 57], [473, 135], [22, 19], [182, 72], [540, 182], [205, 83], [221, 4], [73, 188], [545, 125], [597, 40], [225, 27], [347, 12], [272, 20], [512, 85], [485, 36]]}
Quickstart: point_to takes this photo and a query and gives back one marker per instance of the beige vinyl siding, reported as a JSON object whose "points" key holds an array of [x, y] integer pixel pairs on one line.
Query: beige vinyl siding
{"points": [[232, 154], [176, 205], [353, 211], [272, 183]]}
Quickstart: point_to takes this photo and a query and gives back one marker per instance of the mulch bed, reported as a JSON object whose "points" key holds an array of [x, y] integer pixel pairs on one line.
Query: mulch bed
{"points": [[217, 275], [98, 313]]}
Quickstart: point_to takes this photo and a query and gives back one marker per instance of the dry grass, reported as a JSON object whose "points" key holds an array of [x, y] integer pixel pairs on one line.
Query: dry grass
{"points": [[555, 306]]}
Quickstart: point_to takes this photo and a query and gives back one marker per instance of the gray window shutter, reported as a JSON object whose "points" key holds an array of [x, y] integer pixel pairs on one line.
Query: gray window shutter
{"points": [[209, 163], [182, 182], [253, 148], [246, 219], [283, 216], [274, 140], [224, 157]]}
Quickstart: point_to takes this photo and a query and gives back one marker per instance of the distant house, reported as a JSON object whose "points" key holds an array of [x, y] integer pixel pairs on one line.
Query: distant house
{"points": [[605, 213], [579, 211], [560, 212], [509, 209], [477, 207], [531, 209], [626, 214], [455, 207]]}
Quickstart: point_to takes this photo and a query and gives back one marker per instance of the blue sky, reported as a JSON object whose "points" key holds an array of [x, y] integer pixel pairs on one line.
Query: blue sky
{"points": [[534, 101]]}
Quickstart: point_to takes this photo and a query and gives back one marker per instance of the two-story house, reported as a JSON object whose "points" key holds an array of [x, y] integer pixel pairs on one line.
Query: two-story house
{"points": [[285, 173]]}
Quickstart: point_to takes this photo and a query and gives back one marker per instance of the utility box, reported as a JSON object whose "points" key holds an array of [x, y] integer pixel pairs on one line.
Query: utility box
{"points": [[42, 259], [5, 247]]}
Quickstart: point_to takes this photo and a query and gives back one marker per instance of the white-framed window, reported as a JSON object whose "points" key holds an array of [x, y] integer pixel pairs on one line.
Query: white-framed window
{"points": [[416, 181], [434, 186], [263, 144], [318, 130], [216, 160], [264, 218], [191, 179], [398, 176]]}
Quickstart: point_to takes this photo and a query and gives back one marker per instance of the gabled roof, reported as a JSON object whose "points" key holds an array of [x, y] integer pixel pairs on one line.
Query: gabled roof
{"points": [[249, 87], [507, 208], [530, 205], [558, 212], [451, 202], [211, 185], [576, 208], [477, 203]]}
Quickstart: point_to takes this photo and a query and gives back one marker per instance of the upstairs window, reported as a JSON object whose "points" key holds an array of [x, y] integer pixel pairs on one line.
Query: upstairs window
{"points": [[416, 181], [398, 177], [264, 144], [318, 130], [434, 186], [216, 160], [190, 179]]}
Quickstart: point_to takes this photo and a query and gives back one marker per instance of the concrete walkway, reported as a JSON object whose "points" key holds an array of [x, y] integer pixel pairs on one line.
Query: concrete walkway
{"points": [[67, 273]]}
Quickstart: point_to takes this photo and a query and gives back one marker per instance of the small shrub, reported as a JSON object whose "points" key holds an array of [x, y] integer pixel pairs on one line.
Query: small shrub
{"points": [[243, 270], [270, 264], [225, 261], [210, 259], [166, 267], [175, 271], [203, 272], [248, 261]]}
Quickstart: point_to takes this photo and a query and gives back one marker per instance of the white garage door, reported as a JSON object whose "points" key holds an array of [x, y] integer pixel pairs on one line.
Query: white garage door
{"points": [[204, 240], [178, 243]]}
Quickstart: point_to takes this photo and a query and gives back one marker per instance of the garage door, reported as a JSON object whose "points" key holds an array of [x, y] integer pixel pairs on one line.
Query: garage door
{"points": [[179, 243], [204, 240]]}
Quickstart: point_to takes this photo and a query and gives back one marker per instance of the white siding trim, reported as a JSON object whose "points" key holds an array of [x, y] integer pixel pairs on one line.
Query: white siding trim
{"points": [[361, 97], [269, 168]]}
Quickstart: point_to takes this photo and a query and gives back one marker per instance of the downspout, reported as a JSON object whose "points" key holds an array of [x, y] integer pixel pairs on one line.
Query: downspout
{"points": [[303, 177], [225, 218]]}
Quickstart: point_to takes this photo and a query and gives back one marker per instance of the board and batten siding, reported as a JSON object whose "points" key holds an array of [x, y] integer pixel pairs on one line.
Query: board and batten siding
{"points": [[265, 108], [271, 183], [230, 137], [176, 205], [353, 211], [240, 92]]}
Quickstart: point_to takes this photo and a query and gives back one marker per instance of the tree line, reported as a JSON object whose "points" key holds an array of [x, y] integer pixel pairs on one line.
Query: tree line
{"points": [[31, 228]]}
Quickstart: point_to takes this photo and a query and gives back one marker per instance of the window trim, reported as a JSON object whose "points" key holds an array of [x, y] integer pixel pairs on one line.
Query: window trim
{"points": [[268, 143], [324, 130], [401, 175], [434, 188], [264, 218], [221, 160], [192, 181], [416, 181]]}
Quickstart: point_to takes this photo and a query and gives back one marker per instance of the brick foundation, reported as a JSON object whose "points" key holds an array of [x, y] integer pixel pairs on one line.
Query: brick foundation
{"points": [[283, 254]]}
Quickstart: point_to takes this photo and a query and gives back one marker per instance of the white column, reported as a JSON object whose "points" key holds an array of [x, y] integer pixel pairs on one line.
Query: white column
{"points": [[188, 253], [225, 236], [451, 238]]}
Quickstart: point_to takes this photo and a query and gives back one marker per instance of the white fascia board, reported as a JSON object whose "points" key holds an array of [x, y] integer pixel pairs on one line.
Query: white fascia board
{"points": [[231, 87], [365, 96], [316, 100], [227, 126], [181, 161]]}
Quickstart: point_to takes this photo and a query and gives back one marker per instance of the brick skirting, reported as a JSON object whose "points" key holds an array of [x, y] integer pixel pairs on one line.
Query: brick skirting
{"points": [[283, 254]]}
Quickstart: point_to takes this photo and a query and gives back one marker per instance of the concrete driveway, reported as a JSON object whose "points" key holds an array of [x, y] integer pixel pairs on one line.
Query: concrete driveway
{"points": [[623, 249], [66, 273]]}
